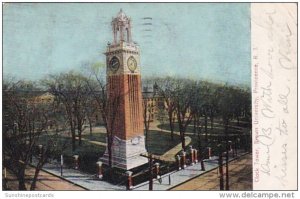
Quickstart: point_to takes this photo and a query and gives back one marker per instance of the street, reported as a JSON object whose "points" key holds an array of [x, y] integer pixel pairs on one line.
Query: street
{"points": [[46, 182]]}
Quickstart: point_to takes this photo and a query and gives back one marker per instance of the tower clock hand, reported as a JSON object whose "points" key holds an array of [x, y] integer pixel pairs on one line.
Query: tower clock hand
{"points": [[115, 64]]}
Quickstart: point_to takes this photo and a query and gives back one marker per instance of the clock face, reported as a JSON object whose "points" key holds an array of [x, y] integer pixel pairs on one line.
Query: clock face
{"points": [[131, 63], [114, 64]]}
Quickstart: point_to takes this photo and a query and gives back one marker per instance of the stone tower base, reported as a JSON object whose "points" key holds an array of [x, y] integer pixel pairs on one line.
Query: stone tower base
{"points": [[126, 154]]}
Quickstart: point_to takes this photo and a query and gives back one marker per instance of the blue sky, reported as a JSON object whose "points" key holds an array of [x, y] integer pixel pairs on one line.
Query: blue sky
{"points": [[195, 40]]}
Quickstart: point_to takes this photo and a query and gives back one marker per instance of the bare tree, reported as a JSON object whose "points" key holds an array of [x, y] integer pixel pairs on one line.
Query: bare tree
{"points": [[227, 106], [185, 91], [71, 91], [161, 115], [213, 103], [90, 110], [205, 106], [196, 108], [25, 122], [148, 105], [167, 90], [147, 111], [108, 103]]}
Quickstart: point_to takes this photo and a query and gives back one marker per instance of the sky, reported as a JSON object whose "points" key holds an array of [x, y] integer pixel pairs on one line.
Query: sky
{"points": [[208, 41]]}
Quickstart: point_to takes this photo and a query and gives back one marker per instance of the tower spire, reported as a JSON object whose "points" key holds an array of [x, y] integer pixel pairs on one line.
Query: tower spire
{"points": [[121, 26]]}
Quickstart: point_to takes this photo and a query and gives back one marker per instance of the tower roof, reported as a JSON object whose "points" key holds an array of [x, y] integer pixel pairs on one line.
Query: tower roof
{"points": [[121, 16], [121, 26]]}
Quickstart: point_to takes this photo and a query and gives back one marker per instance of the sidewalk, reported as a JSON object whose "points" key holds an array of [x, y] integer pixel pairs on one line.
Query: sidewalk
{"points": [[240, 177], [170, 180], [178, 177], [84, 180], [90, 182]]}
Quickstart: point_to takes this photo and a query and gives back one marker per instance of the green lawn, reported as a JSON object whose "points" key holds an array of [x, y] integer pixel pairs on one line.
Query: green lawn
{"points": [[64, 145], [96, 136], [217, 129], [214, 135], [89, 153], [157, 142], [160, 142]]}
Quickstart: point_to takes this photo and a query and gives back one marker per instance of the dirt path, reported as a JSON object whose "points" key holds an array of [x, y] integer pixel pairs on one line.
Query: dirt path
{"points": [[93, 142], [170, 155]]}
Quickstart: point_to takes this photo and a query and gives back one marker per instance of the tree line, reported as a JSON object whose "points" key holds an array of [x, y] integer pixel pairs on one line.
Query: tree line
{"points": [[198, 103], [79, 95]]}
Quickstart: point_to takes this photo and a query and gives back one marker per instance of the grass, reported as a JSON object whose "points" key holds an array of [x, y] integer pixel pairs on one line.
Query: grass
{"points": [[214, 135], [160, 142], [157, 142], [89, 153], [96, 136], [64, 145], [217, 129]]}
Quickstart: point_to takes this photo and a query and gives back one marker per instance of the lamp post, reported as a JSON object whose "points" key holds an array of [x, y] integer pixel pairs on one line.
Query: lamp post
{"points": [[5, 173], [28, 147], [61, 164], [5, 180], [220, 162], [150, 172], [227, 166], [230, 148], [201, 161]]}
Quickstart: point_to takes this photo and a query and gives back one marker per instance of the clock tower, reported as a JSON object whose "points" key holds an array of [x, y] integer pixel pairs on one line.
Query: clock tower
{"points": [[125, 97]]}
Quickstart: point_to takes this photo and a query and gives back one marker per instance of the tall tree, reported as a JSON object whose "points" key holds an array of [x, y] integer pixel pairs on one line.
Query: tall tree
{"points": [[148, 104], [147, 111], [205, 97], [214, 97], [25, 122], [166, 87], [90, 110], [161, 116], [227, 106], [196, 108], [108, 103], [70, 90], [185, 91]]}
